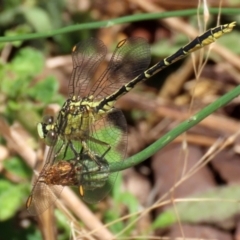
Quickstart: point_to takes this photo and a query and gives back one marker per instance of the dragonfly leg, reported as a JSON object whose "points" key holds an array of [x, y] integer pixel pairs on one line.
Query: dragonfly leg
{"points": [[98, 159]]}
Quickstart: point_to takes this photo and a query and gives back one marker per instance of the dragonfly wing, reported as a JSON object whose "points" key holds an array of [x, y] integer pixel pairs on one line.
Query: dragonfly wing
{"points": [[130, 58], [42, 197], [111, 132], [86, 57]]}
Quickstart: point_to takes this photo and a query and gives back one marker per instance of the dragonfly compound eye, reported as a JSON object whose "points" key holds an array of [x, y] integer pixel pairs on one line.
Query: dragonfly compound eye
{"points": [[48, 119], [51, 138]]}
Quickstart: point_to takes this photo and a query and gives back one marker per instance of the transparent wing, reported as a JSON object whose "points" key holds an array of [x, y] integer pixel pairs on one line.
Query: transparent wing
{"points": [[130, 58], [86, 57], [112, 130], [44, 195]]}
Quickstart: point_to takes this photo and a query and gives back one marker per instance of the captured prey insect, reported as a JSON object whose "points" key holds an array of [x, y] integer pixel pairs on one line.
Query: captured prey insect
{"points": [[89, 133]]}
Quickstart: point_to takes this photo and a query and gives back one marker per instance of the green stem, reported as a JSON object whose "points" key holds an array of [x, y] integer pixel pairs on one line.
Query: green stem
{"points": [[121, 20], [181, 128]]}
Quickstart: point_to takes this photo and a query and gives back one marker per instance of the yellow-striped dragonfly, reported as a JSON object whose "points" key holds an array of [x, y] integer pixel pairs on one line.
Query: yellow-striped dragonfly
{"points": [[89, 133]]}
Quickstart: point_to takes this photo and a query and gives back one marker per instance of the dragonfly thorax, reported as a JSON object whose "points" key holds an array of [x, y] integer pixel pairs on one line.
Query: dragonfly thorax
{"points": [[73, 121], [75, 118]]}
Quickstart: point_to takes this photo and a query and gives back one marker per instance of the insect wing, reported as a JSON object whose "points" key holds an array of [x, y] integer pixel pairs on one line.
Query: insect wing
{"points": [[112, 130], [86, 57], [130, 58], [43, 195]]}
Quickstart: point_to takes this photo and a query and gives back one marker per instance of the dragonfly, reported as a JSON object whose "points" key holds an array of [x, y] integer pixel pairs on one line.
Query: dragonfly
{"points": [[89, 133]]}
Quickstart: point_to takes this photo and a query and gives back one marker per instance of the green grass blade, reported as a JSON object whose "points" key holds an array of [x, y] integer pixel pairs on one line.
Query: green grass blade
{"points": [[116, 21], [181, 128]]}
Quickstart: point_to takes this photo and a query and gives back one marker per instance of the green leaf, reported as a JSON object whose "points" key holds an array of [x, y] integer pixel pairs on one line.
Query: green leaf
{"points": [[13, 105], [38, 18], [28, 62], [112, 215], [164, 220], [119, 199], [11, 198], [203, 209], [8, 16], [45, 90], [130, 201], [36, 235], [17, 167], [62, 224], [116, 193], [17, 75]]}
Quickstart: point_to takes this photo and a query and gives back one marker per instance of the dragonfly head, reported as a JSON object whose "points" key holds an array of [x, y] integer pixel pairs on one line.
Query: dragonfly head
{"points": [[47, 131]]}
